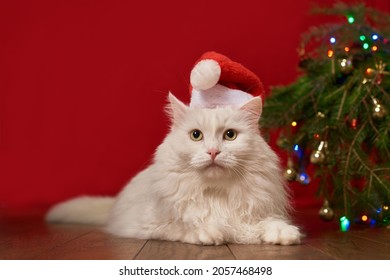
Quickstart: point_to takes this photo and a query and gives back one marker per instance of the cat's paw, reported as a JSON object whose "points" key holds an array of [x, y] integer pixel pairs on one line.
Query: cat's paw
{"points": [[210, 237], [279, 232]]}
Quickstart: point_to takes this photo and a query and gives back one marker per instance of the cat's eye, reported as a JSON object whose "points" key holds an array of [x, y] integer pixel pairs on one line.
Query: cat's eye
{"points": [[230, 135], [196, 135]]}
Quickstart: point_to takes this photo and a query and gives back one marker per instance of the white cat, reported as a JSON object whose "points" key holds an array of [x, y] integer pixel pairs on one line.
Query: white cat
{"points": [[214, 180]]}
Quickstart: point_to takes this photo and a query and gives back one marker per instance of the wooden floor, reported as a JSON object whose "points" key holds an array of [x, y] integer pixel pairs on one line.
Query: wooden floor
{"points": [[28, 237]]}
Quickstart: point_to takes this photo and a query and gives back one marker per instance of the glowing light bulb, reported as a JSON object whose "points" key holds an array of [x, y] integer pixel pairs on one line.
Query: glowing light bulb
{"points": [[386, 207], [374, 37], [298, 151], [294, 123], [364, 218], [351, 19], [346, 49], [362, 37], [354, 123], [332, 40], [344, 223], [374, 48], [330, 53], [365, 46], [304, 178]]}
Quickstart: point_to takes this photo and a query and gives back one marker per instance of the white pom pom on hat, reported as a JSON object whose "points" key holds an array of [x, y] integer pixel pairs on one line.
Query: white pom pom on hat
{"points": [[205, 74], [218, 81]]}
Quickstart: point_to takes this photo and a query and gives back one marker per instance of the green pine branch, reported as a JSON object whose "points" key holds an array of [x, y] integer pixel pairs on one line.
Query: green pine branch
{"points": [[335, 100]]}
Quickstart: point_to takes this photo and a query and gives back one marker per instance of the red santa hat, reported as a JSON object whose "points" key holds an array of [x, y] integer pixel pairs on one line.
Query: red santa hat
{"points": [[218, 81]]}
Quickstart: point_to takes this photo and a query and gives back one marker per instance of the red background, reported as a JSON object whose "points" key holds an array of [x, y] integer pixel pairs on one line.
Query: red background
{"points": [[83, 83]]}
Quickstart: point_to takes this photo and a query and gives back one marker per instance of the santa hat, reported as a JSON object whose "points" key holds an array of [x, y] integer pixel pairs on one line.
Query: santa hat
{"points": [[218, 81]]}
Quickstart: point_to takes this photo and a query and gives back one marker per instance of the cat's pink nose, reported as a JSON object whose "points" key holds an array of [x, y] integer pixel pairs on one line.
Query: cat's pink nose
{"points": [[213, 152]]}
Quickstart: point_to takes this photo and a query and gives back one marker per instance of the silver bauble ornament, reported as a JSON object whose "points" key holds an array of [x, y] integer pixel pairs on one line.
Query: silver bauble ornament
{"points": [[326, 213], [379, 112], [290, 174], [318, 156]]}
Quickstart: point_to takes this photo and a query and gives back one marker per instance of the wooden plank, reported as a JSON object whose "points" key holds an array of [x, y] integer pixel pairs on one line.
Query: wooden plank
{"points": [[27, 236], [95, 245], [31, 241], [276, 252], [167, 250], [380, 235], [349, 246]]}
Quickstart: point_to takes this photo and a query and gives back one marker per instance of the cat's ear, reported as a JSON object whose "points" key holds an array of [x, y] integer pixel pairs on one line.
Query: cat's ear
{"points": [[175, 108], [254, 107]]}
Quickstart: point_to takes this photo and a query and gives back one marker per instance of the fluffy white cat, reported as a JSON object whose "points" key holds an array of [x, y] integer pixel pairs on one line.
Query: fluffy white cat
{"points": [[214, 180]]}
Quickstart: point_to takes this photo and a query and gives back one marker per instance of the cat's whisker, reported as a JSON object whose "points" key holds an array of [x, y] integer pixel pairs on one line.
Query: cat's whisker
{"points": [[241, 176]]}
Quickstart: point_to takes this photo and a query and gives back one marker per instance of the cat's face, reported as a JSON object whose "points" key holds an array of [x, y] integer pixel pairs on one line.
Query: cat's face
{"points": [[217, 142]]}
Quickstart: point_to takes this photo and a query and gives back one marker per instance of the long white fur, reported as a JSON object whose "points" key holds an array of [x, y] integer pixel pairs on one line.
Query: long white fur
{"points": [[82, 210], [182, 196]]}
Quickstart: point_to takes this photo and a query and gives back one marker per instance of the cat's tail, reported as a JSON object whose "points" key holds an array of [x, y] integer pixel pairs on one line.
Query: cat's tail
{"points": [[81, 210]]}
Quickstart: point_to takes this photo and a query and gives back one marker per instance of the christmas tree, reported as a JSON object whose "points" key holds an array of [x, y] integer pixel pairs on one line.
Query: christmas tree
{"points": [[335, 115]]}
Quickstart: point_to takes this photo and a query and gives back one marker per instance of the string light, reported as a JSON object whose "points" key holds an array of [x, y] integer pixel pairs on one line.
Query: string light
{"points": [[362, 37], [330, 53], [365, 46], [374, 48], [294, 123], [303, 178], [364, 218], [354, 123], [332, 40], [298, 151], [351, 19], [369, 71], [344, 223], [374, 37], [346, 49]]}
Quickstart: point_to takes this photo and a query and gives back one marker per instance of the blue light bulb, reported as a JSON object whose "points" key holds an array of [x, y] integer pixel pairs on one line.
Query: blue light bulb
{"points": [[304, 178]]}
